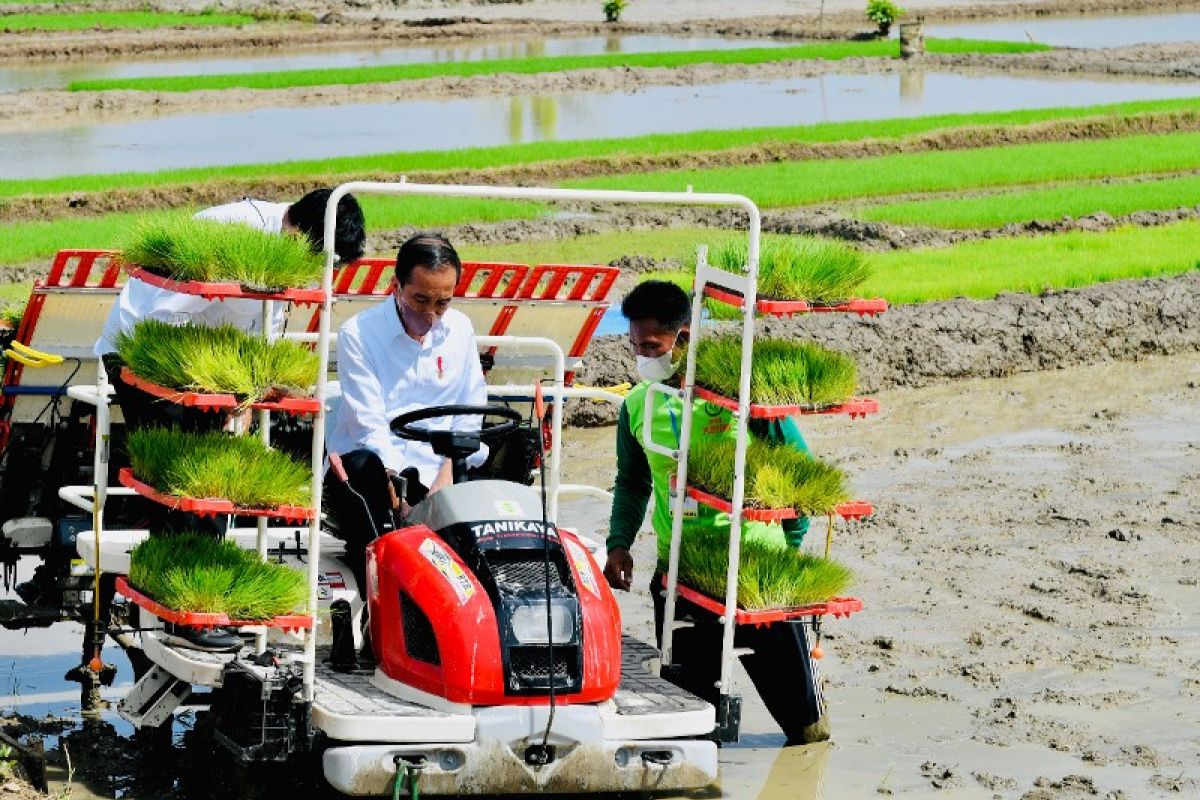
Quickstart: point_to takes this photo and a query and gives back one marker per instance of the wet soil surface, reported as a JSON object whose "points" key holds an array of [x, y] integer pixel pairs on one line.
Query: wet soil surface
{"points": [[1030, 591]]}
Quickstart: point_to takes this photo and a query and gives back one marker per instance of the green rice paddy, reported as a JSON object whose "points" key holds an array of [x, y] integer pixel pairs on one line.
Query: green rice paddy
{"points": [[117, 20], [831, 51], [1074, 199]]}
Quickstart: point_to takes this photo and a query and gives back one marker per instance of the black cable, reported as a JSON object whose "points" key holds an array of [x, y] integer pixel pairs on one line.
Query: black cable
{"points": [[546, 560]]}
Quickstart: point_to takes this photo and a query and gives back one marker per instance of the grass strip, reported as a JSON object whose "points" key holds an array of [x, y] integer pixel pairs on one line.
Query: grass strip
{"points": [[118, 20], [768, 576], [208, 250], [1076, 200], [222, 360], [386, 166], [25, 242], [980, 269], [799, 183], [777, 476], [782, 373], [198, 573], [240, 469], [286, 79]]}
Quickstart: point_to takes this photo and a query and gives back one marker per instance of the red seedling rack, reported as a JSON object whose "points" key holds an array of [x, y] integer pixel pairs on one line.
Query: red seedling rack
{"points": [[855, 407], [227, 290], [855, 509], [211, 507], [196, 619], [786, 308], [835, 607], [218, 402]]}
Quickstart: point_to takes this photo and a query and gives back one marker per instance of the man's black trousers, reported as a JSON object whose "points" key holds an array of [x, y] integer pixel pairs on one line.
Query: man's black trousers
{"points": [[780, 666]]}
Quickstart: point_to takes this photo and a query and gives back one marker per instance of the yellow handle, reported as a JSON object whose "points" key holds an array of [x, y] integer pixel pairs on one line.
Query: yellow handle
{"points": [[30, 357]]}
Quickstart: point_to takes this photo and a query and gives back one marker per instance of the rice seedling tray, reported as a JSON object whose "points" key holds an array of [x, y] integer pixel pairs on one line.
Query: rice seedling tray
{"points": [[210, 507], [855, 407], [835, 606], [785, 308], [198, 619], [218, 402], [221, 291], [854, 509]]}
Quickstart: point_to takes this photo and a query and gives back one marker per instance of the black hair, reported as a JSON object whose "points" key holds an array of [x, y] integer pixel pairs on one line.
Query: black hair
{"points": [[429, 250], [662, 301], [308, 215]]}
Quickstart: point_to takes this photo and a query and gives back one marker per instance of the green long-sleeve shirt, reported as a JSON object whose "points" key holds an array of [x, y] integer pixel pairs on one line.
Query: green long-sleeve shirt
{"points": [[642, 474]]}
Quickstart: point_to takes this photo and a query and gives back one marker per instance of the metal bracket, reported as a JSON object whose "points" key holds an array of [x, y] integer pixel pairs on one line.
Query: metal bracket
{"points": [[729, 719], [153, 698]]}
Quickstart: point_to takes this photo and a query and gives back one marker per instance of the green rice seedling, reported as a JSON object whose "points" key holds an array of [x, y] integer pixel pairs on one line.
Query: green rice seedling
{"points": [[798, 267], [223, 359], [769, 575], [777, 476], [782, 372], [190, 249], [198, 573], [212, 465]]}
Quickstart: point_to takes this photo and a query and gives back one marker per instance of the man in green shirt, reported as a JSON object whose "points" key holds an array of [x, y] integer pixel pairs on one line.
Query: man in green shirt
{"points": [[781, 668]]}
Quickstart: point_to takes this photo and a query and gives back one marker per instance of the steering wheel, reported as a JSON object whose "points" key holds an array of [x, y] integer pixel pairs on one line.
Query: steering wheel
{"points": [[403, 426]]}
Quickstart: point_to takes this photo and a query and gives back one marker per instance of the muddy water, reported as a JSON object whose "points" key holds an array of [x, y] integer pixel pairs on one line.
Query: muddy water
{"points": [[277, 134], [50, 76], [1107, 31], [1032, 610]]}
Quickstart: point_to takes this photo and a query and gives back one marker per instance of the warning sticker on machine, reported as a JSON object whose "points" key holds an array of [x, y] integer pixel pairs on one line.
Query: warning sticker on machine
{"points": [[583, 566], [458, 579]]}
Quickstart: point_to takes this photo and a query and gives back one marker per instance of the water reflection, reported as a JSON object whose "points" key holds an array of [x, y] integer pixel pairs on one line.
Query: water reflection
{"points": [[1107, 31], [47, 76], [276, 134]]}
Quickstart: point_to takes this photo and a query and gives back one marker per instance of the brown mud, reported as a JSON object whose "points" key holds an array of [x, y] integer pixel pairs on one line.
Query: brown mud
{"points": [[51, 206], [1031, 607], [38, 108], [913, 346]]}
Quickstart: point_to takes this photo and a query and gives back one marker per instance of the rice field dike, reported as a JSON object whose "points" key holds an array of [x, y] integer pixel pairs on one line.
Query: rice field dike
{"points": [[833, 51]]}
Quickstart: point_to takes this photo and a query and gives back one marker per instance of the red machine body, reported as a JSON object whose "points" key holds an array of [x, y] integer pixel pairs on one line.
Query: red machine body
{"points": [[434, 626]]}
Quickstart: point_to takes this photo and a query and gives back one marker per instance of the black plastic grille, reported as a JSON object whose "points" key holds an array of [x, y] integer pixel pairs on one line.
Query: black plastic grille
{"points": [[533, 663], [419, 639], [523, 573]]}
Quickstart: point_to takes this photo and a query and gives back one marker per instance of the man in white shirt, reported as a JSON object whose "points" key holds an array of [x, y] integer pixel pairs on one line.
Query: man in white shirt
{"points": [[410, 352]]}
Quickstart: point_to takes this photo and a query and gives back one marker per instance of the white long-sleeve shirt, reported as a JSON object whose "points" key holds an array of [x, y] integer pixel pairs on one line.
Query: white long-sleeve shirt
{"points": [[139, 300], [384, 372]]}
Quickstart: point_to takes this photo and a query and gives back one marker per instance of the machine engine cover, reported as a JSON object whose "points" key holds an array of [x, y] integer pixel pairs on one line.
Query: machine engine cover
{"points": [[435, 627]]}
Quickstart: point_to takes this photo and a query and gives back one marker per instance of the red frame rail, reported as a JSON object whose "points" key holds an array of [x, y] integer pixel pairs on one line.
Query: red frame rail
{"points": [[198, 619], [855, 509], [786, 308], [211, 290], [210, 507], [219, 402], [855, 408], [835, 607]]}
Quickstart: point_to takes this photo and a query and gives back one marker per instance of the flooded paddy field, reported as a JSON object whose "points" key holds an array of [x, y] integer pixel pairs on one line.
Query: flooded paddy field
{"points": [[277, 134]]}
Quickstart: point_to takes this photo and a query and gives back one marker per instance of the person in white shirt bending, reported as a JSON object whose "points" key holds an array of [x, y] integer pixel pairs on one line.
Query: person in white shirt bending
{"points": [[139, 301], [410, 352]]}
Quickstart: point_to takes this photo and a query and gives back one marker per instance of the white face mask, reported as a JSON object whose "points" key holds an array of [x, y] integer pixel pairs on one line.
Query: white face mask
{"points": [[657, 369]]}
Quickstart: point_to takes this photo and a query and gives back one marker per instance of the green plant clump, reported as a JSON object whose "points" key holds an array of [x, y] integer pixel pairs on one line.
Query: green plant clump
{"points": [[797, 267], [197, 573], [781, 373], [777, 476], [222, 359], [213, 465], [883, 13], [769, 576], [206, 250], [613, 9]]}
